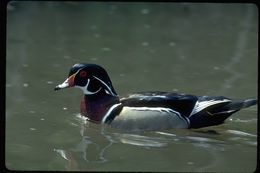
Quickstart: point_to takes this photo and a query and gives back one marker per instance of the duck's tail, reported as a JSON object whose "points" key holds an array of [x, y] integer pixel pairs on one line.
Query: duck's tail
{"points": [[217, 114], [241, 104]]}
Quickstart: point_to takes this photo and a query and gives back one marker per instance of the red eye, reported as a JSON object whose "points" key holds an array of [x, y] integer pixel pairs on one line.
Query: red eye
{"points": [[83, 74]]}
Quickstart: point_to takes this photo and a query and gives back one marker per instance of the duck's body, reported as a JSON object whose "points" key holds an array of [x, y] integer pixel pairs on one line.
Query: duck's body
{"points": [[146, 110]]}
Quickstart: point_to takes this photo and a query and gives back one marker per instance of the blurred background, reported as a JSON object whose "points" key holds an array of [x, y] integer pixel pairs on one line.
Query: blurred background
{"points": [[193, 48]]}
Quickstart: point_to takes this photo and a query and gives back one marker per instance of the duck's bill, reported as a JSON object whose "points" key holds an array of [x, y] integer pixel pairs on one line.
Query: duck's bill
{"points": [[69, 82], [65, 84]]}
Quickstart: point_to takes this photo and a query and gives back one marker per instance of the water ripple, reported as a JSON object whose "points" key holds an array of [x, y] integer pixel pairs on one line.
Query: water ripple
{"points": [[140, 140]]}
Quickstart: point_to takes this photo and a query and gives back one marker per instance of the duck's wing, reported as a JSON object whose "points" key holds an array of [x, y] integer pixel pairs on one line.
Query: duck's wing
{"points": [[181, 103]]}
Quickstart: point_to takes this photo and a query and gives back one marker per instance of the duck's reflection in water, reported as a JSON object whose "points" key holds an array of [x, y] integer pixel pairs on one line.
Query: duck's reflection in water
{"points": [[98, 143]]}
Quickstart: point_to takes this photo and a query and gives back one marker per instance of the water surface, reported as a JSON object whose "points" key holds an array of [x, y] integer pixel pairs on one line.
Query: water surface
{"points": [[202, 49]]}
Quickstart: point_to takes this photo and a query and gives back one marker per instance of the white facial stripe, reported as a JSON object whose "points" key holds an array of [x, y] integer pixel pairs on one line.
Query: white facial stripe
{"points": [[110, 91], [65, 84], [77, 71], [85, 89]]}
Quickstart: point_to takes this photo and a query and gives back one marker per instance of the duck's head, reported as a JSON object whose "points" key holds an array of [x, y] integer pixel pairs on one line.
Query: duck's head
{"points": [[91, 78]]}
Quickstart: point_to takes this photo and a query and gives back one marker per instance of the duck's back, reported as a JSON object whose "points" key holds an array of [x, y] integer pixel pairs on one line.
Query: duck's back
{"points": [[183, 103]]}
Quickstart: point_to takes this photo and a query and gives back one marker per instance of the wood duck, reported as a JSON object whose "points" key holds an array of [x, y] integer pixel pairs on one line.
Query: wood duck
{"points": [[146, 110]]}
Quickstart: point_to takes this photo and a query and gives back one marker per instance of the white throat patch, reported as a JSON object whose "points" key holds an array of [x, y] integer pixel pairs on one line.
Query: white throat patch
{"points": [[85, 89]]}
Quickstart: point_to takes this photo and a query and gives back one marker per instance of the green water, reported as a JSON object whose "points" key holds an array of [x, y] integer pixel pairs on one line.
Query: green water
{"points": [[202, 49]]}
